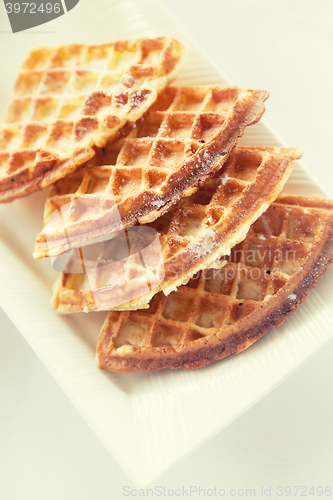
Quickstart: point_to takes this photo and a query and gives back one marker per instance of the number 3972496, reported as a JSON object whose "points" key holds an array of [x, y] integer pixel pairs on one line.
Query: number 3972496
{"points": [[31, 8]]}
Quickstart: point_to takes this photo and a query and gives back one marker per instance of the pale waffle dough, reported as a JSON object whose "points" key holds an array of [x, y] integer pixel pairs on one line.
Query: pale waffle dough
{"points": [[192, 236], [175, 147], [222, 312], [70, 98]]}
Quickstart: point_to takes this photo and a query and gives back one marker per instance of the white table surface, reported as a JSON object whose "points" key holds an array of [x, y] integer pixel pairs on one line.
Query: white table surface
{"points": [[47, 449]]}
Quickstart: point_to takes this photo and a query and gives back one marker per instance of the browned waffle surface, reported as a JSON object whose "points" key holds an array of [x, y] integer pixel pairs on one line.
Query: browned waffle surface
{"points": [[70, 98], [223, 311], [175, 147], [125, 272]]}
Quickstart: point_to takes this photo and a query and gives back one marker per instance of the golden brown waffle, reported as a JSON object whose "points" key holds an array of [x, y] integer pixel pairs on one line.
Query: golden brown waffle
{"points": [[222, 312], [175, 147], [70, 98], [190, 237]]}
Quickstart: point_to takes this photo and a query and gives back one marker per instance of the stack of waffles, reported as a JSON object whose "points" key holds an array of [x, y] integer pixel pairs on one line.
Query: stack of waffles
{"points": [[155, 214]]}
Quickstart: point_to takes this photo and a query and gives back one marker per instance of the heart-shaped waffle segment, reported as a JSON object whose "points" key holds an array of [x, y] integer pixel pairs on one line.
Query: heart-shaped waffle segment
{"points": [[223, 311], [125, 272], [175, 147], [68, 99]]}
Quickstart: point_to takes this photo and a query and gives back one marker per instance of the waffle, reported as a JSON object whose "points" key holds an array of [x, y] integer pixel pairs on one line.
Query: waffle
{"points": [[222, 312], [68, 99], [178, 144], [191, 236]]}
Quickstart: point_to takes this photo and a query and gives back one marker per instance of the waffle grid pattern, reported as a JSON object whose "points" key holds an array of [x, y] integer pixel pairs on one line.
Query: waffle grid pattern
{"points": [[256, 269], [176, 145], [68, 99], [273, 260], [192, 235]]}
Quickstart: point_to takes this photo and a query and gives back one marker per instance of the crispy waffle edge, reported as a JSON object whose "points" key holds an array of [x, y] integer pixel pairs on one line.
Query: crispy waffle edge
{"points": [[238, 338]]}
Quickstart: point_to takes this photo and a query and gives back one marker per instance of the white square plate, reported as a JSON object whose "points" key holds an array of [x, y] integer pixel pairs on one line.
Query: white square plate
{"points": [[147, 421]]}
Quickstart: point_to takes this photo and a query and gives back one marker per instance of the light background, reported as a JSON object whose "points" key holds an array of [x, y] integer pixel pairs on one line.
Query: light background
{"points": [[47, 450]]}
